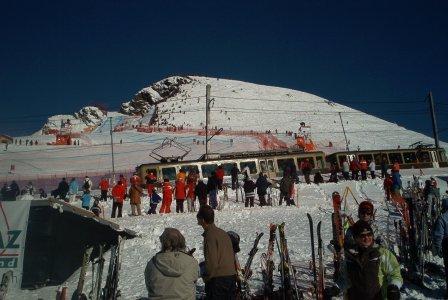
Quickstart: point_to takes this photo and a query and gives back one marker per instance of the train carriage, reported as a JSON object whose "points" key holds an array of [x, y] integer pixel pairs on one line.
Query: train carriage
{"points": [[407, 158], [272, 163]]}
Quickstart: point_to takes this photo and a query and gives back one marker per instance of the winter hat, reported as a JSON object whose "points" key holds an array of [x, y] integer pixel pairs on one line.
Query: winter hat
{"points": [[361, 227], [235, 238], [365, 206], [172, 240]]}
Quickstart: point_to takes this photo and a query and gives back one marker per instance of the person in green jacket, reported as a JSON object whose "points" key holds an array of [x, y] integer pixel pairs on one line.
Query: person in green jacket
{"points": [[369, 272], [172, 273]]}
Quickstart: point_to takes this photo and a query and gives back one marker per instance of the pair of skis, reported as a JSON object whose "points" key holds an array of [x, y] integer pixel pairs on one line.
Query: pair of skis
{"points": [[267, 263], [318, 274], [247, 272], [289, 291]]}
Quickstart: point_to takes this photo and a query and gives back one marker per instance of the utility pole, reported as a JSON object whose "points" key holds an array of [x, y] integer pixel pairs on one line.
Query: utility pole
{"points": [[207, 117], [112, 147], [433, 118], [343, 130]]}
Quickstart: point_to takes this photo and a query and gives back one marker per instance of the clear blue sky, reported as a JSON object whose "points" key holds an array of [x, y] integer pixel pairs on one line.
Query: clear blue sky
{"points": [[56, 57]]}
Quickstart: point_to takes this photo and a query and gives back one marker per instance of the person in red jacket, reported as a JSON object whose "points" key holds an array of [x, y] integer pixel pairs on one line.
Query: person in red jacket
{"points": [[220, 176], [388, 182], [118, 194], [104, 187], [192, 178], [167, 191], [354, 167], [124, 182], [180, 195], [151, 180], [363, 167]]}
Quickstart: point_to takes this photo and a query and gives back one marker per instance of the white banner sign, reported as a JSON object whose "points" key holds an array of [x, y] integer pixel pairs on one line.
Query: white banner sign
{"points": [[13, 226]]}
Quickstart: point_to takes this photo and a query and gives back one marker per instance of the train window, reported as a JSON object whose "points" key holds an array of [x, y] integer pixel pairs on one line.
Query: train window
{"points": [[208, 169], [251, 165], [285, 163], [423, 156], [320, 162], [395, 157], [378, 159], [409, 157], [189, 168], [310, 159], [169, 173], [267, 166], [367, 157], [227, 168], [442, 156]]}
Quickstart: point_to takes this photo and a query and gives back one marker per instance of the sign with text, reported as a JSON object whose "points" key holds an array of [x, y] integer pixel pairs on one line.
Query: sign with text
{"points": [[13, 226]]}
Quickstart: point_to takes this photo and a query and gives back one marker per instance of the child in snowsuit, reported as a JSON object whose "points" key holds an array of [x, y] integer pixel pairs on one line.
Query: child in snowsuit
{"points": [[167, 190], [86, 198], [155, 200]]}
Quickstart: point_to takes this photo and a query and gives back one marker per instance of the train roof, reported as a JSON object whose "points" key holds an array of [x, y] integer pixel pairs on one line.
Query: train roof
{"points": [[386, 150], [239, 155]]}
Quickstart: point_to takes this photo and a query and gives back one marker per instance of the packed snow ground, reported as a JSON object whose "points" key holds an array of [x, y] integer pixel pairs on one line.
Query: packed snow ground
{"points": [[313, 199]]}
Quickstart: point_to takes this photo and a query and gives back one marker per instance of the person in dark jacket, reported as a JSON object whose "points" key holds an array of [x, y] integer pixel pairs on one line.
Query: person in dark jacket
{"points": [[201, 192], [318, 178], [15, 190], [249, 192], [212, 190], [383, 167], [262, 185], [234, 174], [440, 238], [219, 266], [62, 190], [369, 272], [286, 188]]}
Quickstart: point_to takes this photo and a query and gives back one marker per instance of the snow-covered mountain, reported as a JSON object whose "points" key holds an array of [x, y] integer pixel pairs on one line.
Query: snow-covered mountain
{"points": [[236, 105]]}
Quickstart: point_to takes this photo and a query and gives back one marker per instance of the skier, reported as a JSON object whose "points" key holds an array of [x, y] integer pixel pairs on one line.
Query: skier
{"points": [[440, 238], [306, 168], [87, 184], [180, 195], [73, 189], [192, 178], [167, 191], [218, 269], [96, 209], [383, 167], [234, 174], [249, 192], [118, 195], [172, 273], [369, 272], [212, 190], [104, 187], [62, 190], [286, 187], [262, 185], [354, 167], [363, 167], [365, 213], [387, 184], [396, 183], [151, 180], [372, 168], [318, 178], [135, 193], [86, 198], [153, 202], [200, 191], [220, 176]]}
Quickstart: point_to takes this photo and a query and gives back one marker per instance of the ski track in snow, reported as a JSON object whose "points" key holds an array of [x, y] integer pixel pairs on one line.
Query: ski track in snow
{"points": [[312, 199]]}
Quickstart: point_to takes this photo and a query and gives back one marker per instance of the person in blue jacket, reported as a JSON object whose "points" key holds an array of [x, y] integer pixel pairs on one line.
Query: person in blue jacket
{"points": [[396, 182], [74, 187], [86, 198], [440, 238]]}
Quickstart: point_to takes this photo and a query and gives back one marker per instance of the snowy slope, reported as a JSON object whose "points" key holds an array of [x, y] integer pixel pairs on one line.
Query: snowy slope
{"points": [[247, 222]]}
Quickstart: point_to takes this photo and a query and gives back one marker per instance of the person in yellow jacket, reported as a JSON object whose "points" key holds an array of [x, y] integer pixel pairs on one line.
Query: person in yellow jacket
{"points": [[369, 272]]}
